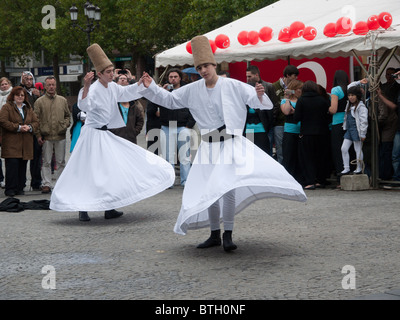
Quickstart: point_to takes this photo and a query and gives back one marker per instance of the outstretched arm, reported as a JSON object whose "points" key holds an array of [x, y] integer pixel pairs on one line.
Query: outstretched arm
{"points": [[176, 99], [87, 82]]}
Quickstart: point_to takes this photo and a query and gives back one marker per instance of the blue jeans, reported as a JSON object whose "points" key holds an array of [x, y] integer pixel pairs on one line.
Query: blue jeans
{"points": [[396, 156], [278, 138], [173, 138]]}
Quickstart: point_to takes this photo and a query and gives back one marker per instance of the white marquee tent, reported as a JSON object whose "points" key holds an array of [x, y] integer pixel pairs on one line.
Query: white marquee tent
{"points": [[315, 13]]}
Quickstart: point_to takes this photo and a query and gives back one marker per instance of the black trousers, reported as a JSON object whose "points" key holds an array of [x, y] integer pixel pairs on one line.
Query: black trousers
{"points": [[36, 165], [336, 145], [15, 174], [290, 153], [312, 152], [261, 140]]}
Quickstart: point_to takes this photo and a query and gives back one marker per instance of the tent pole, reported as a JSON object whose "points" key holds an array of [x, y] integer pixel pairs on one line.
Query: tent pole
{"points": [[374, 121], [351, 68]]}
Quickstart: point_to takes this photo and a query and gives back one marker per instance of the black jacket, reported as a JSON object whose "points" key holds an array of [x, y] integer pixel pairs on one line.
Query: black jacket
{"points": [[312, 110], [153, 121], [183, 117]]}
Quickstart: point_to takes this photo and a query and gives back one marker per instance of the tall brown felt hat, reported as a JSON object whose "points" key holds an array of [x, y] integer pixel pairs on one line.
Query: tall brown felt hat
{"points": [[202, 52], [98, 57]]}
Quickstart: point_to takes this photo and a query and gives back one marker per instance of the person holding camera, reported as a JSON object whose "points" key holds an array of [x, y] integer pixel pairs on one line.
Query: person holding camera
{"points": [[175, 125], [126, 72]]}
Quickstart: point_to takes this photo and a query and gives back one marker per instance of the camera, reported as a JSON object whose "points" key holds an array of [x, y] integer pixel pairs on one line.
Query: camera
{"points": [[123, 71], [170, 86]]}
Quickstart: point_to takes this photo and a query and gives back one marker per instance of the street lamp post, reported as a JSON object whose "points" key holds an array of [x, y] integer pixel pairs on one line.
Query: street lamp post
{"points": [[93, 17]]}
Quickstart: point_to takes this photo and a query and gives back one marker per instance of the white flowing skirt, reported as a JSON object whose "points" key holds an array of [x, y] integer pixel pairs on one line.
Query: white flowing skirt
{"points": [[235, 164], [106, 172]]}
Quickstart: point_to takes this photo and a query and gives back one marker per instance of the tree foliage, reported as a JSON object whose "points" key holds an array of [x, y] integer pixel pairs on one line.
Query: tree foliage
{"points": [[204, 16], [140, 27]]}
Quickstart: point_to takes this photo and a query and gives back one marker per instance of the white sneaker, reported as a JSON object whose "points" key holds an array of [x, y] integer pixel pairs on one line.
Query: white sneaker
{"points": [[2, 184]]}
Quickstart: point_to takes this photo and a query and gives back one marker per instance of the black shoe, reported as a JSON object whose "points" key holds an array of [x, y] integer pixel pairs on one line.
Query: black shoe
{"points": [[83, 216], [228, 244], [46, 189], [111, 214], [212, 241], [10, 193]]}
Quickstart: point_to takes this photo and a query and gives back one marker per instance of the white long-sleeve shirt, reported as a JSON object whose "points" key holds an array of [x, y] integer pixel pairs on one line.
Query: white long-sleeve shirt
{"points": [[211, 108], [101, 104]]}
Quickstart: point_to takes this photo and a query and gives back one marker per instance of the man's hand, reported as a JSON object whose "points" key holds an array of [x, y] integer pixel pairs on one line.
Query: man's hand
{"points": [[36, 92], [145, 79], [24, 128], [88, 79], [260, 90], [87, 82], [40, 141]]}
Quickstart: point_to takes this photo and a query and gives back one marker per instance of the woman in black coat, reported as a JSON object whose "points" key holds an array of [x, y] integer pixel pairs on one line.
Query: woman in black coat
{"points": [[313, 112]]}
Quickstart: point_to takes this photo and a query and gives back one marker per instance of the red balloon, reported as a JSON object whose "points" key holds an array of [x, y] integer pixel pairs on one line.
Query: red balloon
{"points": [[212, 45], [361, 28], [253, 37], [309, 33], [296, 29], [343, 25], [330, 30], [284, 35], [266, 34], [222, 41], [385, 20], [373, 22], [189, 47], [242, 38]]}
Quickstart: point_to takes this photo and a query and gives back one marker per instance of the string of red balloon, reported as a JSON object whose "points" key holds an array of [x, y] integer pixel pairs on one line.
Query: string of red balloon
{"points": [[298, 29]]}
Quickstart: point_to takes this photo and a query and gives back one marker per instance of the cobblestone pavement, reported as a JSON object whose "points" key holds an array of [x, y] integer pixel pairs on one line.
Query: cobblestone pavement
{"points": [[286, 250]]}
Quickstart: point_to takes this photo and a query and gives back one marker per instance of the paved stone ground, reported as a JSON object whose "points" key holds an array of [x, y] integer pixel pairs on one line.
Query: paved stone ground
{"points": [[286, 250]]}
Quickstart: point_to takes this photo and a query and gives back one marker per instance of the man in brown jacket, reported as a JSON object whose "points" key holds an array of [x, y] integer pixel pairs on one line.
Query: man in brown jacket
{"points": [[54, 119]]}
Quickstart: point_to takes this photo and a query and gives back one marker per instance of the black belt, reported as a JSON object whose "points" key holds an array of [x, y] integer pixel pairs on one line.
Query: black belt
{"points": [[217, 135], [103, 128], [253, 118]]}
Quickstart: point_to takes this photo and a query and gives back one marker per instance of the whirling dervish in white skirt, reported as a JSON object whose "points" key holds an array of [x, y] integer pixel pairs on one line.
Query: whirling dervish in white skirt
{"points": [[229, 172], [105, 171]]}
